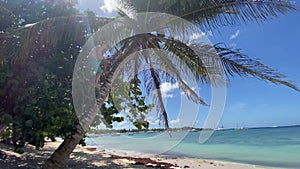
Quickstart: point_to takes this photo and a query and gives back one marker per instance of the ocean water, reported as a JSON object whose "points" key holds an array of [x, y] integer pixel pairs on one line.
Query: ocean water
{"points": [[270, 147]]}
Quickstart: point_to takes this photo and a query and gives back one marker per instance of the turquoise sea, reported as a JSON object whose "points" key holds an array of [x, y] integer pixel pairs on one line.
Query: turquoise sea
{"points": [[270, 147]]}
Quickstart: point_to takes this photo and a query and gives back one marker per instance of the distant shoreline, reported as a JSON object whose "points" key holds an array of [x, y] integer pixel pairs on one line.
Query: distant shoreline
{"points": [[111, 131]]}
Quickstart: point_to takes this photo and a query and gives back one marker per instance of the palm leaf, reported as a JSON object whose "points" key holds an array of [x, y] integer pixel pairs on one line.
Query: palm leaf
{"points": [[233, 62], [175, 71], [44, 38], [215, 13], [189, 57], [236, 63], [154, 82]]}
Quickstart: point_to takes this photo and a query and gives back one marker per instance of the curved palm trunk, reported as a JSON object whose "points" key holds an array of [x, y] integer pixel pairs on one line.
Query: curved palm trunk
{"points": [[62, 153]]}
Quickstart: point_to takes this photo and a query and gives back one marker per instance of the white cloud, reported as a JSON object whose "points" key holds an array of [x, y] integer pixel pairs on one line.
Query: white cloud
{"points": [[175, 123], [126, 124], [154, 124], [166, 88], [235, 35], [196, 36], [109, 6]]}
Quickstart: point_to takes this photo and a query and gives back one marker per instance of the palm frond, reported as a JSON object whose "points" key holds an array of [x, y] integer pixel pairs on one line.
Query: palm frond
{"points": [[132, 59], [45, 37], [155, 83], [125, 8], [185, 53], [152, 83], [215, 13], [175, 71], [236, 63], [233, 62]]}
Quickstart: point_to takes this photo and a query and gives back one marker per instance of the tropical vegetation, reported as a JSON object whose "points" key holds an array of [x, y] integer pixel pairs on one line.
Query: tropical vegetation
{"points": [[42, 39]]}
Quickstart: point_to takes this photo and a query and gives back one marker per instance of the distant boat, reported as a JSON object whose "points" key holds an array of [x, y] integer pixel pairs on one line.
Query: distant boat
{"points": [[274, 126], [217, 129], [240, 128], [221, 128]]}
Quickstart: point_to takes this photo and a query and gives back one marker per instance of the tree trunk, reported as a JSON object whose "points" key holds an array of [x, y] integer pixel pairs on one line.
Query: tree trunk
{"points": [[61, 154]]}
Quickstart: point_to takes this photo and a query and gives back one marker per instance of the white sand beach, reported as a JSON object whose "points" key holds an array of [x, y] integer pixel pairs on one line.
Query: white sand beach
{"points": [[89, 157]]}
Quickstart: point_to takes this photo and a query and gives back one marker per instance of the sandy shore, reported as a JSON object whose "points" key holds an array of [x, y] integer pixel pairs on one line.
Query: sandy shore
{"points": [[89, 157]]}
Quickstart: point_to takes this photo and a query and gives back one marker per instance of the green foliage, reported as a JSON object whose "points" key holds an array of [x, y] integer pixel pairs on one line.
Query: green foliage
{"points": [[109, 111], [137, 105], [35, 78], [126, 96], [36, 68], [22, 12]]}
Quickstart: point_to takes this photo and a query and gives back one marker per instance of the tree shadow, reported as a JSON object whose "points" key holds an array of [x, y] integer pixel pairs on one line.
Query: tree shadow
{"points": [[79, 159]]}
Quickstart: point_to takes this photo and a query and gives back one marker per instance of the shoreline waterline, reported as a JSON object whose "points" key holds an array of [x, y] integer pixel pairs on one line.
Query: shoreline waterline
{"points": [[272, 147]]}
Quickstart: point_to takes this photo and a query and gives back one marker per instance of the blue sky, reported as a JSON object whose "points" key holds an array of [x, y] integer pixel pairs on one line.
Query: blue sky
{"points": [[250, 102]]}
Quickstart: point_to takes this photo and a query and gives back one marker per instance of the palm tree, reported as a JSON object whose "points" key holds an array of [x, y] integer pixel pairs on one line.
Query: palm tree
{"points": [[207, 14]]}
